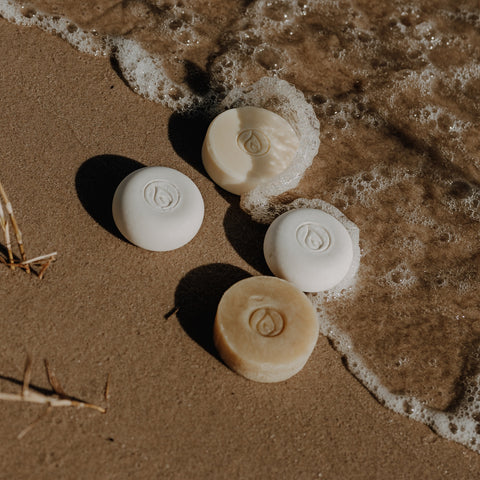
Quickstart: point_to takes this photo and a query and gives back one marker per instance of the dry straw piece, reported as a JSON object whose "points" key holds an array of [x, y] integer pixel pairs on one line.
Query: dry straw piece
{"points": [[41, 263], [56, 398]]}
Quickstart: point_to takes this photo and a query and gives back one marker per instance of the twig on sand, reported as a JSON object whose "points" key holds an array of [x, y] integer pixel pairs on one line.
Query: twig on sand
{"points": [[42, 262], [57, 398], [106, 390]]}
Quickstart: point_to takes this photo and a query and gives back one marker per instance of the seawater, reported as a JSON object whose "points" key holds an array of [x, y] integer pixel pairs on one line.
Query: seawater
{"points": [[385, 97]]}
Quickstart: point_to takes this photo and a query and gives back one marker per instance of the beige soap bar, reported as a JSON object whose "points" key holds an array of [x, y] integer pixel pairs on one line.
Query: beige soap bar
{"points": [[247, 146], [265, 329]]}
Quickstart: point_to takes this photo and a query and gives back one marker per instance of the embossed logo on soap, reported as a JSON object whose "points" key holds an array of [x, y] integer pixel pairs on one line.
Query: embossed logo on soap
{"points": [[253, 142], [267, 321], [161, 194], [313, 237]]}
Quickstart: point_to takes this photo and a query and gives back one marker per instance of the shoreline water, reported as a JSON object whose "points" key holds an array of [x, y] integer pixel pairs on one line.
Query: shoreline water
{"points": [[142, 104]]}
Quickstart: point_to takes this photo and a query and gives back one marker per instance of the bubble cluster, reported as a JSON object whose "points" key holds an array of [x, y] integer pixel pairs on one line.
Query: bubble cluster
{"points": [[401, 276], [470, 203], [362, 187], [285, 100], [461, 423], [79, 38], [146, 76]]}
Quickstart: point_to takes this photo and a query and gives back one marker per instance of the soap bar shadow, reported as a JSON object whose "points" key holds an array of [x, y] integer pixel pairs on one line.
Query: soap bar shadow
{"points": [[244, 234], [187, 128], [186, 132], [96, 182], [197, 296]]}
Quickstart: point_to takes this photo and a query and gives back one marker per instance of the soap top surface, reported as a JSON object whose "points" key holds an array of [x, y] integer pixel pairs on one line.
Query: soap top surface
{"points": [[247, 146], [309, 248], [265, 328], [158, 208]]}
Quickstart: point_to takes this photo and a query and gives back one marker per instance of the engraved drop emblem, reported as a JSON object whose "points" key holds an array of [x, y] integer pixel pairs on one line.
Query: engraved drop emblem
{"points": [[266, 321], [253, 142], [313, 237], [161, 195]]}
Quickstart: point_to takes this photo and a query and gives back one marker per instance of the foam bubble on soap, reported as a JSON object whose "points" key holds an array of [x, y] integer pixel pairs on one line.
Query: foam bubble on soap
{"points": [[284, 99]]}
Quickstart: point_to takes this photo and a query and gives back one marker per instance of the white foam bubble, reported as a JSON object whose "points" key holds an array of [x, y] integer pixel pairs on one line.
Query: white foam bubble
{"points": [[80, 39], [470, 205], [277, 11], [465, 73], [144, 72], [398, 278], [284, 99], [459, 424], [426, 34], [146, 75], [364, 186]]}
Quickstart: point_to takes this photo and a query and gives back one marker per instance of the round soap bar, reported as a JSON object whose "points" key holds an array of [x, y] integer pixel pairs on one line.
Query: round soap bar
{"points": [[265, 329], [247, 146], [309, 248], [158, 208]]}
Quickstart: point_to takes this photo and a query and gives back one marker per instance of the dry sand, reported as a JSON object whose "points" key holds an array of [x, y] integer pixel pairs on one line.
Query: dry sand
{"points": [[71, 129]]}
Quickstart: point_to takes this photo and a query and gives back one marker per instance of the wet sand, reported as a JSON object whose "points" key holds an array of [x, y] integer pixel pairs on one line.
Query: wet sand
{"points": [[71, 130]]}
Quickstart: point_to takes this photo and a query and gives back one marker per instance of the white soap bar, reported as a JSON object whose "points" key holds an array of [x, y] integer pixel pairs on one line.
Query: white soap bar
{"points": [[247, 146], [158, 208], [309, 248], [265, 329]]}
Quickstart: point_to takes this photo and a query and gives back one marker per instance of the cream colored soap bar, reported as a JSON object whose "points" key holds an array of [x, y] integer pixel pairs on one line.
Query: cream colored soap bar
{"points": [[265, 329], [247, 146]]}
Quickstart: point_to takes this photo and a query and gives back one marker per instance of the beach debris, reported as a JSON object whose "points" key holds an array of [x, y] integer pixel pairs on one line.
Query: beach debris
{"points": [[37, 265], [56, 398], [106, 390], [171, 312]]}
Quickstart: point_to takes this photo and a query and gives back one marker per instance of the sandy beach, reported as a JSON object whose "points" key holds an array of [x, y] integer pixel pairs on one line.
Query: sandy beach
{"points": [[71, 131]]}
